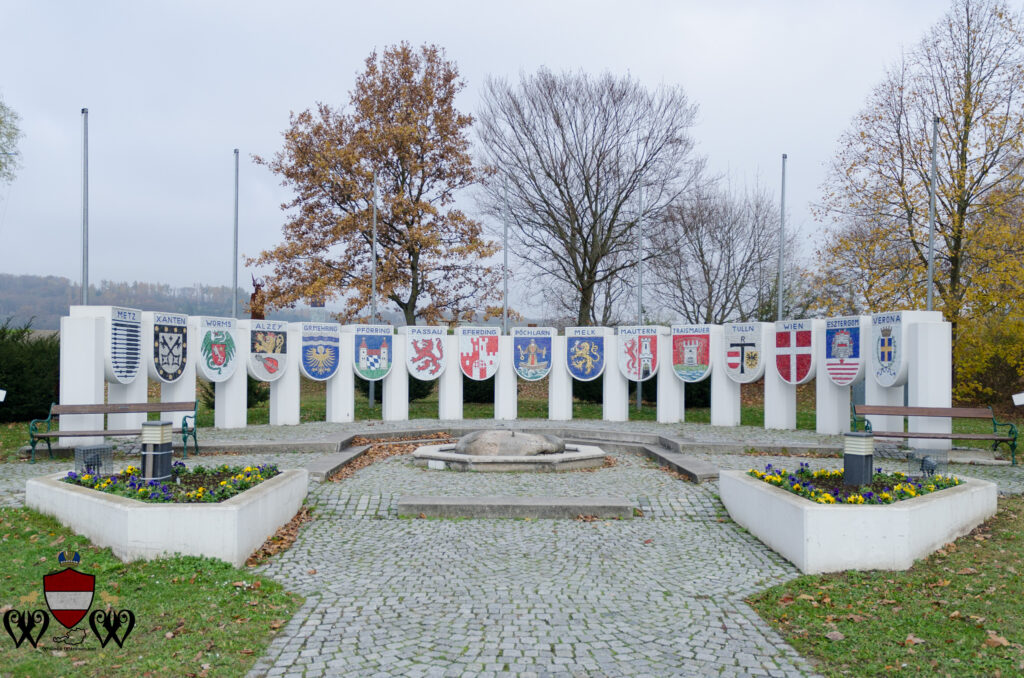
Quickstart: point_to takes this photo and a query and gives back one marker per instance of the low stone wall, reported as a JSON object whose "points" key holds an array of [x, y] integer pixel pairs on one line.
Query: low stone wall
{"points": [[836, 537], [230, 530]]}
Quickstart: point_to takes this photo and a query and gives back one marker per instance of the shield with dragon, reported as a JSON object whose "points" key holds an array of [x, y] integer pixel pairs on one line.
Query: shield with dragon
{"points": [[531, 351], [584, 352], [268, 349], [320, 350], [424, 351], [638, 352], [217, 349], [691, 352]]}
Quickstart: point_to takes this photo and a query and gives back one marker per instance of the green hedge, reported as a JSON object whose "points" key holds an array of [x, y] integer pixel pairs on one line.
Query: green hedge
{"points": [[29, 372]]}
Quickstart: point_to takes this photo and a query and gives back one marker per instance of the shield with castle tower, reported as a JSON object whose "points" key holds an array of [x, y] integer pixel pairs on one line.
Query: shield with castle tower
{"points": [[638, 352], [373, 351], [691, 352]]}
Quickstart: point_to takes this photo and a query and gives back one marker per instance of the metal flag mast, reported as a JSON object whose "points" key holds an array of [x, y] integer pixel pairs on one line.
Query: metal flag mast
{"points": [[782, 239], [234, 261], [931, 213], [85, 206]]}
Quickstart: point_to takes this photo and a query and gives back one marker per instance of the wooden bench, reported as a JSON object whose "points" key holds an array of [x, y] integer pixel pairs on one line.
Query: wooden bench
{"points": [[37, 431], [1010, 437]]}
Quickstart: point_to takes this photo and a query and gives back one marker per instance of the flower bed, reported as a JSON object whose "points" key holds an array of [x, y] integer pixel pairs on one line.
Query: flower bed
{"points": [[822, 537], [826, 487], [199, 484], [133, 529]]}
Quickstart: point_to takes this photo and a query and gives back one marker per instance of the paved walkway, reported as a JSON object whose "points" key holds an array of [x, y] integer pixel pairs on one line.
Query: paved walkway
{"points": [[660, 595]]}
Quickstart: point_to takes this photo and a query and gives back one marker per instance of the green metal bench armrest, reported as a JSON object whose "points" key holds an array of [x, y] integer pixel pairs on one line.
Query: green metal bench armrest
{"points": [[1011, 432], [187, 431], [33, 429], [856, 420]]}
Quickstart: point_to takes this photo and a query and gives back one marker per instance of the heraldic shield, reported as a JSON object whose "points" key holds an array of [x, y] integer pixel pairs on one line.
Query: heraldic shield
{"points": [[170, 351], [320, 351], [691, 352], [69, 595], [638, 352], [584, 353], [531, 352], [742, 346], [794, 350], [424, 352], [478, 353], [843, 357], [372, 358]]}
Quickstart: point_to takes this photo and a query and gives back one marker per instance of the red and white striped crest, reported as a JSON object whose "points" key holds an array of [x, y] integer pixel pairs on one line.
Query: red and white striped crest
{"points": [[69, 595]]}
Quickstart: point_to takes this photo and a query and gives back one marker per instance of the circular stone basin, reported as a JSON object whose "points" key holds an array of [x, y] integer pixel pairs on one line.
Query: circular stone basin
{"points": [[508, 451]]}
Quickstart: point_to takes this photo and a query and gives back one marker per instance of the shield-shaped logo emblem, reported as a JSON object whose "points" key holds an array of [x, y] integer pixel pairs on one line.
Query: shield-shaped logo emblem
{"points": [[170, 351], [478, 352], [794, 350], [268, 349], [887, 335], [842, 350], [216, 349], [424, 351], [691, 352], [125, 343], [584, 352], [742, 345], [320, 350], [372, 360], [638, 352], [69, 595], [531, 349]]}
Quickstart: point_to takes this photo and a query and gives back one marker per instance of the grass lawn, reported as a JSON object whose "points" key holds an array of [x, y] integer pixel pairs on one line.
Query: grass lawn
{"points": [[959, 612], [193, 616]]}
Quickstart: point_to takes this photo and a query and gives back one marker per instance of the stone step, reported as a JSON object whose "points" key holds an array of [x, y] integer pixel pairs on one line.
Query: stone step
{"points": [[412, 506], [322, 468]]}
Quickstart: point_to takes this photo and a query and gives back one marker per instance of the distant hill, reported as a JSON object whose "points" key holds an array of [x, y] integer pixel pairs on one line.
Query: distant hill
{"points": [[44, 299]]}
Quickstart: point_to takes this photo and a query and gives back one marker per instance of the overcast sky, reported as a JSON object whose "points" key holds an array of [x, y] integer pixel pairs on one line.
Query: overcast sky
{"points": [[172, 88]]}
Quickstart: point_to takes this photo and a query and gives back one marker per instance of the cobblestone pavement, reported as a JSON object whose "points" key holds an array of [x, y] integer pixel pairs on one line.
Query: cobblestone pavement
{"points": [[660, 595]]}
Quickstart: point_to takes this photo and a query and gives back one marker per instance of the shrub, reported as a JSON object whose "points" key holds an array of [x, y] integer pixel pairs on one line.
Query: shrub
{"points": [[474, 391], [418, 389], [29, 372], [257, 392]]}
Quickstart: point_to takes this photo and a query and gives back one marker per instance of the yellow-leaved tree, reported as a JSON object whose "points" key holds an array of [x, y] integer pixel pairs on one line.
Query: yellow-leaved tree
{"points": [[968, 71], [403, 126]]}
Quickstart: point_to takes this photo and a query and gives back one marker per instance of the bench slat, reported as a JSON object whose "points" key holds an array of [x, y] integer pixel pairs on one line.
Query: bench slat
{"points": [[123, 408], [942, 436], [892, 410], [79, 434]]}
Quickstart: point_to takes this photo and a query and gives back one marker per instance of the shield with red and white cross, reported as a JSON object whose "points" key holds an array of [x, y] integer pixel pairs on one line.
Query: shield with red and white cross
{"points": [[794, 350]]}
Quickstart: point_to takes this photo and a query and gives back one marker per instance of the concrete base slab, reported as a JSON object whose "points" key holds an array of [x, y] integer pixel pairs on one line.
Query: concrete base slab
{"points": [[324, 467], [412, 506], [574, 458], [695, 470]]}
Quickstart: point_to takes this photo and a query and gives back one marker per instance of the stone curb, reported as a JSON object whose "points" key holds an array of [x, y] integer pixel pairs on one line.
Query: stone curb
{"points": [[515, 507]]}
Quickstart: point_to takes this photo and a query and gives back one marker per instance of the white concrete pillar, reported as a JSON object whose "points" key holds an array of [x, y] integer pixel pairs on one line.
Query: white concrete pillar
{"points": [[284, 391], [615, 393], [671, 397], [395, 401], [232, 407], [842, 358], [123, 348], [171, 359], [81, 375], [791, 362], [506, 384], [559, 383], [341, 406], [889, 362], [745, 352], [449, 405], [930, 379]]}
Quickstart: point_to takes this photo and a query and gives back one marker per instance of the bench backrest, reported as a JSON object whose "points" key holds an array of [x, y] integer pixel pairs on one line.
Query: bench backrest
{"points": [[122, 408], [893, 410]]}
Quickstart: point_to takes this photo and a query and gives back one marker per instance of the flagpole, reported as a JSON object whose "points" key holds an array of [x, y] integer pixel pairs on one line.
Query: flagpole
{"points": [[373, 277], [85, 206], [782, 239], [931, 213]]}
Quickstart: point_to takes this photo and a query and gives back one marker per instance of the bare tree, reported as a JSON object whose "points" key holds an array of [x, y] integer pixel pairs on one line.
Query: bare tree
{"points": [[718, 255], [574, 154]]}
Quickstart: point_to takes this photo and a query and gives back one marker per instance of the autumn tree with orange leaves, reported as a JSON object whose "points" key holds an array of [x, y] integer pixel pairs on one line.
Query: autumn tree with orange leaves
{"points": [[968, 71], [403, 125]]}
